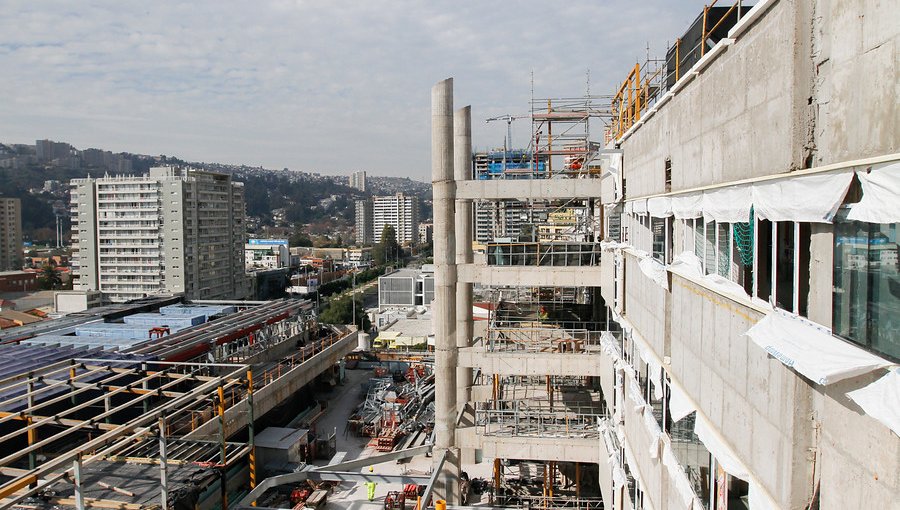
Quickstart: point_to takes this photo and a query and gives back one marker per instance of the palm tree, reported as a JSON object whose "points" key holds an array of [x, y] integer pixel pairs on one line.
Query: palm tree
{"points": [[50, 278]]}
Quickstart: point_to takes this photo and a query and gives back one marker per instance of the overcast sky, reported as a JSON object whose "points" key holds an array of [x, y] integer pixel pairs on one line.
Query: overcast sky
{"points": [[328, 86]]}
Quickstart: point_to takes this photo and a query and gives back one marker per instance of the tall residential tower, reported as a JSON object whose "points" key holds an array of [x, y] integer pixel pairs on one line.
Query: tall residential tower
{"points": [[174, 230]]}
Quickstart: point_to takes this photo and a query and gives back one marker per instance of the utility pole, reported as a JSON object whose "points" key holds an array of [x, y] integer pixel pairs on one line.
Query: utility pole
{"points": [[353, 296]]}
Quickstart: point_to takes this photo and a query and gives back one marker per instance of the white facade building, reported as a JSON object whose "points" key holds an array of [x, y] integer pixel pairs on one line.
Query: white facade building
{"points": [[400, 211], [173, 230], [357, 180], [266, 254]]}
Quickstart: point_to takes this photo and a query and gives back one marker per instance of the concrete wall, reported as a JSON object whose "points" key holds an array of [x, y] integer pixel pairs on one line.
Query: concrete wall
{"points": [[732, 121], [758, 405], [854, 92], [645, 306], [810, 84], [859, 460]]}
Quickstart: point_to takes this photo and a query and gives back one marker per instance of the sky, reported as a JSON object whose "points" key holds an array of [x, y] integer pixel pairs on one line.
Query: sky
{"points": [[329, 86]]}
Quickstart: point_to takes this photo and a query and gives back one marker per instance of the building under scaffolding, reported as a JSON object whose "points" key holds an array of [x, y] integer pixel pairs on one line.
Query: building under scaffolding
{"points": [[700, 337]]}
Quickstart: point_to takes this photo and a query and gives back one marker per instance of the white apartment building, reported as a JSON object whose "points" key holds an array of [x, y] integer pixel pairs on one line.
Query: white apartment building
{"points": [[11, 254], [357, 180], [174, 230], [400, 211], [736, 344], [364, 222]]}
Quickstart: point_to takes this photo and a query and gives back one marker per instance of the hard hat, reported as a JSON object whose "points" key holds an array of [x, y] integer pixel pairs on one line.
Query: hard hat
{"points": [[371, 469]]}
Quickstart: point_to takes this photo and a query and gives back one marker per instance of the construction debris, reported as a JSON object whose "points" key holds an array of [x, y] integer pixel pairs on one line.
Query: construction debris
{"points": [[396, 413]]}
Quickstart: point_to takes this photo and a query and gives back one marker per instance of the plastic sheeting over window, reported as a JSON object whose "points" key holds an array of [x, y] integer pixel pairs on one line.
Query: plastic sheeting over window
{"points": [[640, 207], [809, 198], [881, 400], [687, 206], [679, 404], [659, 207], [727, 205], [810, 350], [879, 203]]}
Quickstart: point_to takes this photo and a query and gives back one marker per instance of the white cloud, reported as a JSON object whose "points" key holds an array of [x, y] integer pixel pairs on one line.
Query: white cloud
{"points": [[319, 86]]}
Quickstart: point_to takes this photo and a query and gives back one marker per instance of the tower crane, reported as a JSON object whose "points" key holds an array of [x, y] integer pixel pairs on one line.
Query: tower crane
{"points": [[509, 118]]}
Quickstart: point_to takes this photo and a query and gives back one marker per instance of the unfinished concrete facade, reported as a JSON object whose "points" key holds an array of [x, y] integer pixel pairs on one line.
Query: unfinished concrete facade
{"points": [[744, 207]]}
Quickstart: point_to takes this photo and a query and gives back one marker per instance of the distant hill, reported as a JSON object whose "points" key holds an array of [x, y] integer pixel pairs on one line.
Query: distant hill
{"points": [[40, 180]]}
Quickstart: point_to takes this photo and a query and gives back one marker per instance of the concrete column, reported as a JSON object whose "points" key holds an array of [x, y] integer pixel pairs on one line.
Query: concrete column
{"points": [[444, 261], [444, 306], [462, 170]]}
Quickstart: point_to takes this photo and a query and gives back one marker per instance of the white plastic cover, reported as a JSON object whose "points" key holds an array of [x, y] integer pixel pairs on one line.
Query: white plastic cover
{"points": [[677, 474], [659, 207], [679, 404], [727, 205], [809, 198], [656, 271], [881, 400], [721, 451], [810, 350], [879, 203], [640, 206], [688, 206]]}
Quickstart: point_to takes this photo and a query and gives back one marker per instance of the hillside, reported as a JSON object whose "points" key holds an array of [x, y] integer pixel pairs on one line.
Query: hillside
{"points": [[275, 198]]}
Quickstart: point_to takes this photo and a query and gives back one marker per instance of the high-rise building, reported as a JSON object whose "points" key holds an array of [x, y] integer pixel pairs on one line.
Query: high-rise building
{"points": [[364, 222], [10, 234], [358, 180], [174, 230], [721, 332], [400, 211]]}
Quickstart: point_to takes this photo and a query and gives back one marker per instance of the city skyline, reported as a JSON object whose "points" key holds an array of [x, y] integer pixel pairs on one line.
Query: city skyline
{"points": [[291, 86]]}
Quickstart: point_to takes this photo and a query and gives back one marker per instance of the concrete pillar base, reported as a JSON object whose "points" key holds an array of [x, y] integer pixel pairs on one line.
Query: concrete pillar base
{"points": [[446, 486]]}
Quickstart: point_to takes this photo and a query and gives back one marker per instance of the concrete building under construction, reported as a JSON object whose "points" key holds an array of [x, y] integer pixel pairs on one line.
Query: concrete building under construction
{"points": [[717, 329]]}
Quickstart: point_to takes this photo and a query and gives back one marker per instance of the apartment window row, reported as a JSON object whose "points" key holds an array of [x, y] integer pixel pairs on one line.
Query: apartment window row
{"points": [[772, 262]]}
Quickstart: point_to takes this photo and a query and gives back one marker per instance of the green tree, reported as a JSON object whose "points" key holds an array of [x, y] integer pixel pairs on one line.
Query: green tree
{"points": [[387, 250], [50, 278], [340, 311]]}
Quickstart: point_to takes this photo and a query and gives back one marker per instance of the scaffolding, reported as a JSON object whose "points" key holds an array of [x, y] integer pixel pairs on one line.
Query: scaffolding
{"points": [[561, 134]]}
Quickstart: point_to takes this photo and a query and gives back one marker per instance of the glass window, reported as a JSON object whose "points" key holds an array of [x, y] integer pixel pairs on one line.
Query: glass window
{"points": [[724, 245], [658, 229], [866, 296]]}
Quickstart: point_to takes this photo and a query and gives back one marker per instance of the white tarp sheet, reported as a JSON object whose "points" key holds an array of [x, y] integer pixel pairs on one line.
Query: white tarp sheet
{"points": [[879, 203], [728, 205], [810, 350], [809, 198], [688, 206], [677, 474], [721, 451], [655, 270], [679, 404], [640, 206], [659, 207], [881, 400], [726, 458]]}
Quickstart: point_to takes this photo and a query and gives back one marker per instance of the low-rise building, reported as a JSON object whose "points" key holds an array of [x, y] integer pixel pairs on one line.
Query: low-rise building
{"points": [[266, 253]]}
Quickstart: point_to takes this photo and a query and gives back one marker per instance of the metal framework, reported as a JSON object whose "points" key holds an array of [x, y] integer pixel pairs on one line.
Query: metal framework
{"points": [[84, 411]]}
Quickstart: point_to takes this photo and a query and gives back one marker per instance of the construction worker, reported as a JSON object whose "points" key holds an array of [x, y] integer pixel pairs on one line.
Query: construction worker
{"points": [[370, 489]]}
